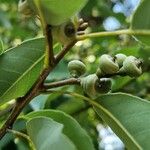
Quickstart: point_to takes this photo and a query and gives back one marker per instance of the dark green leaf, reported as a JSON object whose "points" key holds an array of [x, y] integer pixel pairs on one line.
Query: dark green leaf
{"points": [[71, 106], [46, 134], [58, 12], [1, 46], [19, 68], [141, 20], [128, 116], [120, 82], [39, 102], [71, 128], [59, 73], [144, 53]]}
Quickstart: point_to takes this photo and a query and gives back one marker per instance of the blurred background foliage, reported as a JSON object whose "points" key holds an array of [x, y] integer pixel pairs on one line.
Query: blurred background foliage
{"points": [[102, 15]]}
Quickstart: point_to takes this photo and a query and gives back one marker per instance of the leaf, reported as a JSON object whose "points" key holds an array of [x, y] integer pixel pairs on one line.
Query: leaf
{"points": [[6, 140], [71, 129], [46, 134], [39, 102], [57, 12], [71, 106], [59, 73], [120, 82], [141, 20], [21, 145], [128, 116], [144, 53], [1, 47], [19, 68]]}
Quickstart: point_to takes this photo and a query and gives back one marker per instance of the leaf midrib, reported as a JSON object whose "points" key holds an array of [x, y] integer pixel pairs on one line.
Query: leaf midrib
{"points": [[26, 72], [105, 111], [119, 124]]}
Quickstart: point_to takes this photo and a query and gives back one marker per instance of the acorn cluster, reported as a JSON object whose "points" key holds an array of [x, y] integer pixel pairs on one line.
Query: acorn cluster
{"points": [[120, 64], [100, 82], [109, 66]]}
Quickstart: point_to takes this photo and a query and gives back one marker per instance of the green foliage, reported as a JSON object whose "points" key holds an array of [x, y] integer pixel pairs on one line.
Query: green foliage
{"points": [[70, 127], [20, 67], [128, 116], [46, 133], [1, 46], [57, 15], [141, 20]]}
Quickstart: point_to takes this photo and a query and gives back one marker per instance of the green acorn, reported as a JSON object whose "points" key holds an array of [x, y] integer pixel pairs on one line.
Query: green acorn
{"points": [[108, 65], [93, 86], [120, 59], [64, 33], [76, 68], [132, 66], [24, 8]]}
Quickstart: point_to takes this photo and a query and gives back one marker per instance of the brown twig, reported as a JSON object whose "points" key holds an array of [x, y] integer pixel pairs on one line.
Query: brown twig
{"points": [[70, 81], [49, 47]]}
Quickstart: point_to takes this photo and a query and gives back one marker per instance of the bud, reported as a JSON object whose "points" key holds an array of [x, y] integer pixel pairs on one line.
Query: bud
{"points": [[76, 68]]}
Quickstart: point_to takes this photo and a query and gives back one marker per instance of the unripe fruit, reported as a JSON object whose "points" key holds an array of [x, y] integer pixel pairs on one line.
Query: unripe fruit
{"points": [[24, 8], [120, 59], [103, 86], [132, 67], [93, 86], [64, 33], [108, 65], [76, 68], [88, 84]]}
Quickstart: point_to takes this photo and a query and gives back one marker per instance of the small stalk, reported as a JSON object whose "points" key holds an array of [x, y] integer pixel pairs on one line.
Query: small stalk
{"points": [[49, 55], [114, 33], [26, 137]]}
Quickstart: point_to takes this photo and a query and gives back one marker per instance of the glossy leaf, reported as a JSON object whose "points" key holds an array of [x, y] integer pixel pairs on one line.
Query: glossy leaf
{"points": [[46, 134], [39, 102], [57, 12], [141, 20], [71, 129], [59, 73], [19, 68], [128, 116]]}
